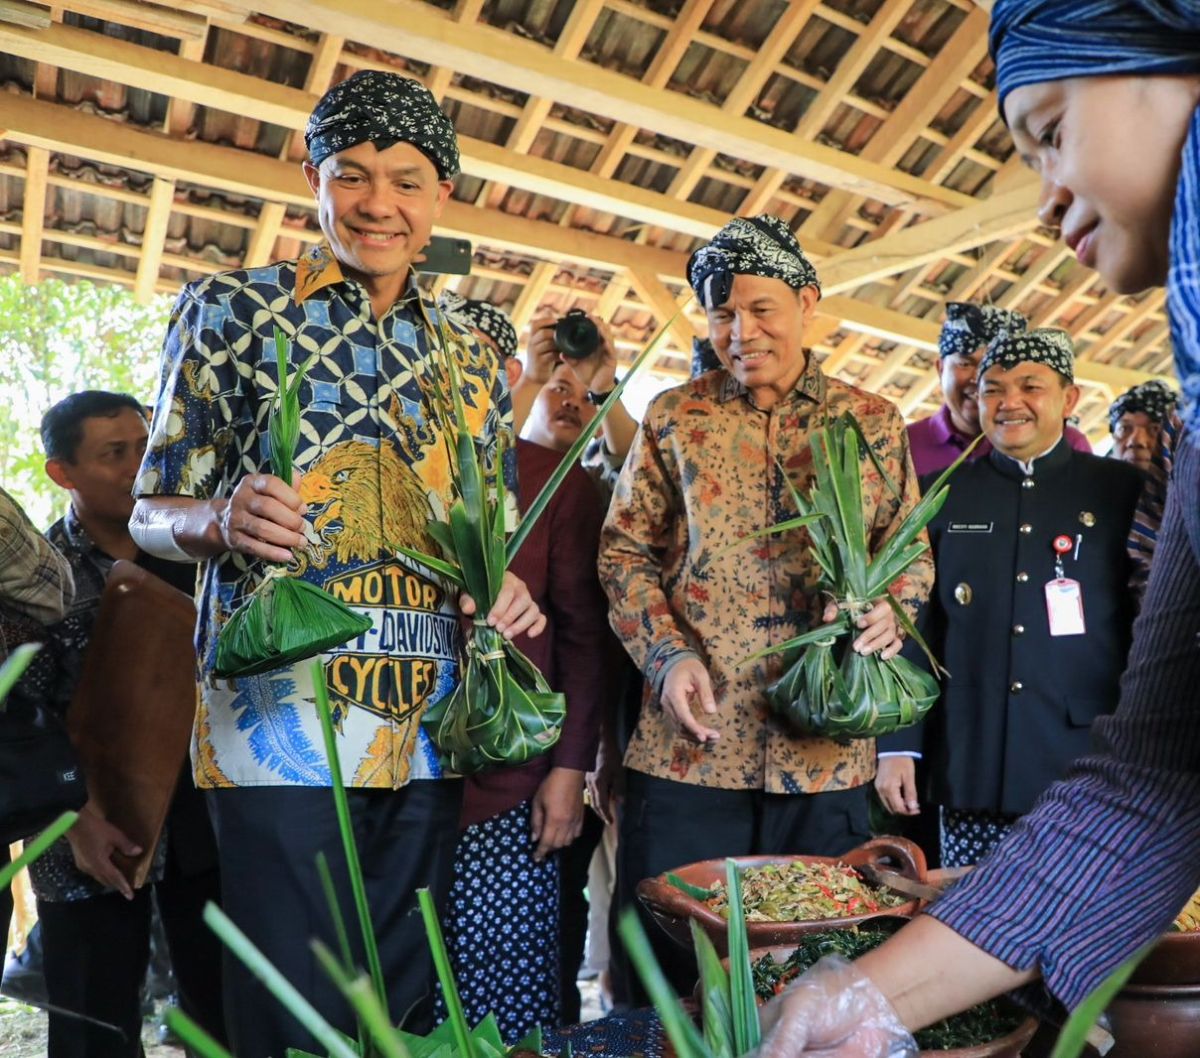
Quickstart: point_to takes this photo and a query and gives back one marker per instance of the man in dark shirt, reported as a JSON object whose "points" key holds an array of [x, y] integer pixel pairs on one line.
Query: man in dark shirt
{"points": [[95, 927], [1031, 613]]}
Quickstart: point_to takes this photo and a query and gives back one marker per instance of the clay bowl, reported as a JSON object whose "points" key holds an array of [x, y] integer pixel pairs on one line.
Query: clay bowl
{"points": [[1009, 1046], [672, 907]]}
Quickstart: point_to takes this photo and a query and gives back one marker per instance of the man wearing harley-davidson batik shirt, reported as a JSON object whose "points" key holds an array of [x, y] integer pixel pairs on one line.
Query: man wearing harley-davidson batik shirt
{"points": [[373, 471]]}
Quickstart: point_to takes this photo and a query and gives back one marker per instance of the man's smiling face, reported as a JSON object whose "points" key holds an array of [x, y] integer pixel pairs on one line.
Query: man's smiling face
{"points": [[377, 208]]}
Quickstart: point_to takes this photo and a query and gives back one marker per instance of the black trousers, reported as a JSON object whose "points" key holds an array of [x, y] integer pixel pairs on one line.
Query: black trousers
{"points": [[573, 906], [96, 953], [268, 839], [666, 824]]}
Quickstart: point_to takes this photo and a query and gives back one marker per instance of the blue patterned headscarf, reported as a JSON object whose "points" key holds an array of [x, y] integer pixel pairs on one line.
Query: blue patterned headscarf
{"points": [[1033, 41]]}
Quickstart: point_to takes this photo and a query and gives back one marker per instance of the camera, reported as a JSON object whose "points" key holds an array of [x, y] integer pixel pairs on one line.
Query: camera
{"points": [[576, 336]]}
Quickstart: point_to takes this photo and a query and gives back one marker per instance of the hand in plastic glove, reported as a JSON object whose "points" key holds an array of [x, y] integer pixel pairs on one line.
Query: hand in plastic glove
{"points": [[833, 1011]]}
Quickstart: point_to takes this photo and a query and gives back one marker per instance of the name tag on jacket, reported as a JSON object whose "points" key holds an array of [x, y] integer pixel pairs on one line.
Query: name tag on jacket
{"points": [[970, 527]]}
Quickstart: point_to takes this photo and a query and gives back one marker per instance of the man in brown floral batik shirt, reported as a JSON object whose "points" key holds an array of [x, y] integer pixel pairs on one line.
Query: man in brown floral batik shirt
{"points": [[712, 772]]}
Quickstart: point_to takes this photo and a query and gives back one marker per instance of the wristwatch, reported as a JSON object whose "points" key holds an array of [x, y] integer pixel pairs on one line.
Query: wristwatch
{"points": [[592, 397]]}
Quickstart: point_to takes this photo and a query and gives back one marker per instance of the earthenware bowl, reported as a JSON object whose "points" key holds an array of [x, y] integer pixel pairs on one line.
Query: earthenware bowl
{"points": [[672, 908]]}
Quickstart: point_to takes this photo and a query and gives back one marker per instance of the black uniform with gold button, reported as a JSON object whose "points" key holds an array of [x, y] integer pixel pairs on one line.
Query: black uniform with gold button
{"points": [[1019, 702]]}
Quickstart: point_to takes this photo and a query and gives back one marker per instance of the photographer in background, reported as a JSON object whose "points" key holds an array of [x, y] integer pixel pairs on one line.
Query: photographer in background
{"points": [[585, 344]]}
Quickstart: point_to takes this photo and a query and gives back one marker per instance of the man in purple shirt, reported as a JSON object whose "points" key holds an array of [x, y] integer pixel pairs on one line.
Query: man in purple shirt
{"points": [[938, 441]]}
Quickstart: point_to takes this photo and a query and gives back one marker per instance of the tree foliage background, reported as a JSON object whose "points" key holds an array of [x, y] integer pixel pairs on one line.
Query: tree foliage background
{"points": [[58, 338]]}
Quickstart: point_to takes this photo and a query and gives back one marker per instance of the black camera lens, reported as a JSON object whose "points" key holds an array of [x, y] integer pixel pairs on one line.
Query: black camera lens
{"points": [[576, 336]]}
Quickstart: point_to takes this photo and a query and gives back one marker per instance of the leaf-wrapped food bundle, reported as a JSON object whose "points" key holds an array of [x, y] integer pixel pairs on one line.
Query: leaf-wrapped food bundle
{"points": [[286, 619], [502, 711], [826, 688]]}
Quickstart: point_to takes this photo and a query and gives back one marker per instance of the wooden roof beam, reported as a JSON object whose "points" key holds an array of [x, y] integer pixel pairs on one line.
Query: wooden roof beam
{"points": [[238, 93], [999, 217], [33, 215], [917, 109], [418, 30], [776, 45], [154, 234]]}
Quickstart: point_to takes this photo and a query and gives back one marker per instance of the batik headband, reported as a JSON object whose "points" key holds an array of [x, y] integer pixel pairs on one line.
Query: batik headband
{"points": [[757, 246], [484, 317], [1154, 399], [1044, 346], [969, 327], [383, 109]]}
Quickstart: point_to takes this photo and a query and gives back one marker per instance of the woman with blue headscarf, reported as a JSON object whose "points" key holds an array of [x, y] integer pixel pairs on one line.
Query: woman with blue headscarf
{"points": [[1108, 856]]}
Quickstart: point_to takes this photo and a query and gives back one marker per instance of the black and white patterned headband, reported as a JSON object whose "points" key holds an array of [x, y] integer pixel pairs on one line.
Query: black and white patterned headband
{"points": [[969, 327], [757, 246], [484, 317], [384, 109], [1047, 345], [1154, 399]]}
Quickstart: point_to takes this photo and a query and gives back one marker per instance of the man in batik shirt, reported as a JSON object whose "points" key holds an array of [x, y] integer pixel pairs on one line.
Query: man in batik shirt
{"points": [[372, 471], [712, 772]]}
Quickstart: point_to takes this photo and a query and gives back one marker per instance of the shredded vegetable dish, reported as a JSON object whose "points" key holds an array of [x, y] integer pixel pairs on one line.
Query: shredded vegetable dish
{"points": [[1188, 920], [802, 892], [981, 1024]]}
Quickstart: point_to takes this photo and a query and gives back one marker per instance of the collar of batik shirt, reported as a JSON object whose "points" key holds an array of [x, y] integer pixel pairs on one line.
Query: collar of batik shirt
{"points": [[319, 268], [809, 386]]}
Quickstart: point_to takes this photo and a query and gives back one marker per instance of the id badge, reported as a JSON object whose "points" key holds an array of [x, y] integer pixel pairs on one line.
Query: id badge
{"points": [[1064, 607]]}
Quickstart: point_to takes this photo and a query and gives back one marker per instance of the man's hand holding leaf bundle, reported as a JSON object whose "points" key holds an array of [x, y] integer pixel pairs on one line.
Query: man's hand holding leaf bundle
{"points": [[829, 688], [286, 619]]}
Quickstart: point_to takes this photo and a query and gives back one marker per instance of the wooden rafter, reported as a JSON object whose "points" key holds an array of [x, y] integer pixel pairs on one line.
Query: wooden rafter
{"points": [[414, 29], [33, 217], [154, 234]]}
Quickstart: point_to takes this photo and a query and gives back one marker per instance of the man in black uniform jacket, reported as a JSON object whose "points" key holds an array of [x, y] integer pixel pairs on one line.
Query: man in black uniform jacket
{"points": [[1031, 612]]}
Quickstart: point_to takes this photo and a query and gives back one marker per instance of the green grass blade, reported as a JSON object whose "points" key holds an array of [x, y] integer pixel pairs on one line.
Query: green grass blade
{"points": [[539, 505], [771, 530], [446, 569], [278, 985], [910, 631], [747, 1033], [692, 890], [33, 849], [339, 928], [852, 424], [1074, 1036], [194, 1038], [14, 668], [360, 993], [716, 1017], [335, 911], [835, 628], [678, 1026], [342, 806], [445, 975]]}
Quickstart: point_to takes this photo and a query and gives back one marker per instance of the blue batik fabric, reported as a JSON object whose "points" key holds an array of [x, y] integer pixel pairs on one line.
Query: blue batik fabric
{"points": [[502, 925], [373, 469]]}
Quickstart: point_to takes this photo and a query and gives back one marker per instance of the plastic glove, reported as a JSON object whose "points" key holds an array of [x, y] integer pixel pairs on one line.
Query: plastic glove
{"points": [[833, 1011]]}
